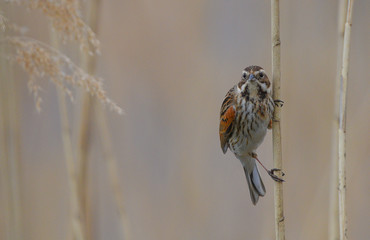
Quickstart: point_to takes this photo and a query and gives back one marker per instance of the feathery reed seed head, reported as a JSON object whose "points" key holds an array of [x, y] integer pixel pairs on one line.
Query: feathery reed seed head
{"points": [[40, 60], [65, 19]]}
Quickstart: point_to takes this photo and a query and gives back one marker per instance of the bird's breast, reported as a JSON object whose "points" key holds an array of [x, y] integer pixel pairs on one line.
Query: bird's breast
{"points": [[252, 120]]}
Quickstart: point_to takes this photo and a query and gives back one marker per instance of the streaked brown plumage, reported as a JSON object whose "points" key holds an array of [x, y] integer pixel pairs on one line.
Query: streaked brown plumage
{"points": [[246, 114]]}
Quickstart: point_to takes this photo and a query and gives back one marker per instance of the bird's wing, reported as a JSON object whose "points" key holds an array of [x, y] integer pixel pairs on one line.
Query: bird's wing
{"points": [[227, 119]]}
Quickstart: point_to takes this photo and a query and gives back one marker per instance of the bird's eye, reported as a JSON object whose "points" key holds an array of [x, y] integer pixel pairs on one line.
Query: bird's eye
{"points": [[244, 75], [261, 74]]}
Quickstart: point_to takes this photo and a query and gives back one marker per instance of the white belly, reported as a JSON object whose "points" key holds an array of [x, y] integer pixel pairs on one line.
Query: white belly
{"points": [[257, 137]]}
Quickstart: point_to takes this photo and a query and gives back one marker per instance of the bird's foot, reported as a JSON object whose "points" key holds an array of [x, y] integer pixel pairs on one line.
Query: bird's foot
{"points": [[278, 103], [253, 155], [274, 177]]}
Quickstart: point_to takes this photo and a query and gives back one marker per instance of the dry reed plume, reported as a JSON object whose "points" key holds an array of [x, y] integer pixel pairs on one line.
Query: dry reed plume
{"points": [[41, 60], [3, 21], [6, 25], [65, 19]]}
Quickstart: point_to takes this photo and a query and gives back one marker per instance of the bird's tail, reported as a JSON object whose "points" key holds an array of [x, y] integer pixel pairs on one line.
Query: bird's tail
{"points": [[256, 187]]}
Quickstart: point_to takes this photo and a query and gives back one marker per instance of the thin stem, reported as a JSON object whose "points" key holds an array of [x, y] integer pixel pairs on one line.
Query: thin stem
{"points": [[5, 181], [14, 153], [10, 150], [88, 63], [89, 105], [77, 225], [111, 162], [76, 216], [83, 163], [342, 126], [333, 230], [276, 132]]}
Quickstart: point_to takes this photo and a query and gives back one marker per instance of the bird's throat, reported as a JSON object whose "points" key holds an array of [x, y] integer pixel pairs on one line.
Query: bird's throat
{"points": [[253, 90]]}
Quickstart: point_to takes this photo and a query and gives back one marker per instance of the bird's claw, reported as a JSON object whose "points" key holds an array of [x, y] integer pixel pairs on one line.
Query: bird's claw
{"points": [[274, 177], [278, 103]]}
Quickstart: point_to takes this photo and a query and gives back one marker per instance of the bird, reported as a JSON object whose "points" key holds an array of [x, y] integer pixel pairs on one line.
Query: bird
{"points": [[246, 114]]}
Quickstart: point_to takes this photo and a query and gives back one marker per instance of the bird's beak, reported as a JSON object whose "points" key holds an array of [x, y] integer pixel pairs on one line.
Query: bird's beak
{"points": [[252, 77]]}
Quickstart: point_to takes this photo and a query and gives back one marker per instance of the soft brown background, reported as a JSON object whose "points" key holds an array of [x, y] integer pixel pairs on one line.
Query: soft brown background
{"points": [[169, 65]]}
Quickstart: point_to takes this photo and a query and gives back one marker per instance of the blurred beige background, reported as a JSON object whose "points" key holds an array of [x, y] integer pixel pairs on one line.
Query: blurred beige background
{"points": [[168, 64]]}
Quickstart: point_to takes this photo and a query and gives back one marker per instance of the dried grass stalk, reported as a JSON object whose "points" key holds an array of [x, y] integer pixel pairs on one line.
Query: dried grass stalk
{"points": [[76, 216], [10, 150], [342, 126], [14, 156], [111, 162], [89, 106], [5, 181], [88, 63], [276, 132], [333, 230]]}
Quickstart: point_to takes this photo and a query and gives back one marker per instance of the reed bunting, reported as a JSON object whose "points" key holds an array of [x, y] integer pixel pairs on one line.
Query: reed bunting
{"points": [[246, 114]]}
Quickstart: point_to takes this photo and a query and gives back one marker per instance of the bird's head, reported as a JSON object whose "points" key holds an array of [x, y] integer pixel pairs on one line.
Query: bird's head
{"points": [[256, 76]]}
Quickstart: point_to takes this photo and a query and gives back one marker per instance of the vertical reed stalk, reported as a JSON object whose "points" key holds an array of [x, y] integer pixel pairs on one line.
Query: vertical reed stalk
{"points": [[111, 162], [276, 133], [14, 153], [89, 106], [76, 216], [333, 230], [10, 149], [88, 63], [342, 125], [4, 151]]}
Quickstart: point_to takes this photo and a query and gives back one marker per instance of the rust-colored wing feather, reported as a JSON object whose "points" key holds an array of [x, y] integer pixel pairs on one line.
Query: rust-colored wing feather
{"points": [[227, 119]]}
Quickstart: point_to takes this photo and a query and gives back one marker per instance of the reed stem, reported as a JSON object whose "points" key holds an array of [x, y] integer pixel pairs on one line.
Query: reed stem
{"points": [[76, 216], [342, 125], [88, 63], [111, 162], [10, 149], [7, 209], [333, 230], [276, 132]]}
